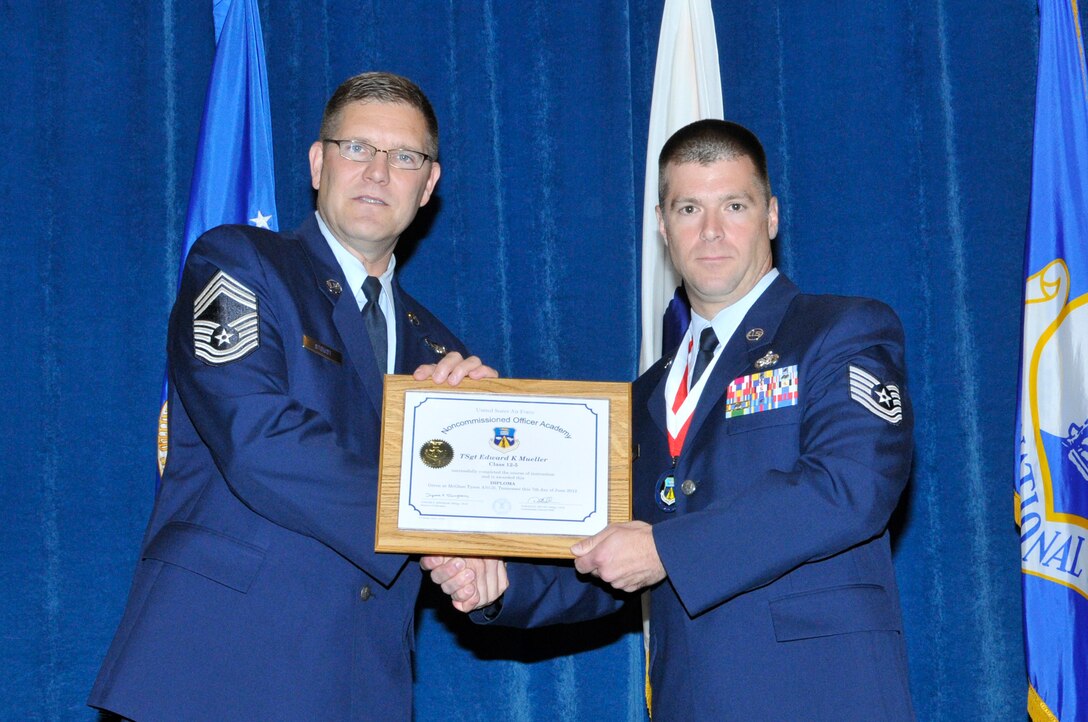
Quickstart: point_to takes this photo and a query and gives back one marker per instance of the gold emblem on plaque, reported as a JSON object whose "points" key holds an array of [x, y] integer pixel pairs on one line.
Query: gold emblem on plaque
{"points": [[436, 453]]}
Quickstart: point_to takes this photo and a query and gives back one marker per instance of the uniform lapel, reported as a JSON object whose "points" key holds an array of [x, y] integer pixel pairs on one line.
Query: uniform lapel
{"points": [[744, 348], [656, 402], [345, 310], [413, 347]]}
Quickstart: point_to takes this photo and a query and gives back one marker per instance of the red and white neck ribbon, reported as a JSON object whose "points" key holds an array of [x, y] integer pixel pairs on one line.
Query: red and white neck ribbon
{"points": [[680, 402]]}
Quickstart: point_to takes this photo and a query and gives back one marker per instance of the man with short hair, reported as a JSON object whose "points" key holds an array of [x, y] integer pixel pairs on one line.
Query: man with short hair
{"points": [[771, 448], [258, 595]]}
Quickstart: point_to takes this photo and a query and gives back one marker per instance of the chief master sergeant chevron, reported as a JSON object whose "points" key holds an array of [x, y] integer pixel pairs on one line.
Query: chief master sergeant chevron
{"points": [[258, 594], [774, 444]]}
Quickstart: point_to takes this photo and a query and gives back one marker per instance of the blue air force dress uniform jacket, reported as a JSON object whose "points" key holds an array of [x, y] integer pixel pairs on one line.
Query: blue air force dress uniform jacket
{"points": [[780, 601], [258, 594]]}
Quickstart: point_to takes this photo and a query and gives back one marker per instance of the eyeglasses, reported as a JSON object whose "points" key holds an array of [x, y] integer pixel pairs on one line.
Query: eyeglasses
{"points": [[361, 152]]}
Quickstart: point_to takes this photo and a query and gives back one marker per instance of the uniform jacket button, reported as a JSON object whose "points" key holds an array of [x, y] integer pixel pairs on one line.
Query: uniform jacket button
{"points": [[689, 487], [364, 593]]}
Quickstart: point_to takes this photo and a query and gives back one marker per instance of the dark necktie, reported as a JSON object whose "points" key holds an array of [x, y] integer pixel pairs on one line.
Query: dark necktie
{"points": [[708, 341], [375, 321]]}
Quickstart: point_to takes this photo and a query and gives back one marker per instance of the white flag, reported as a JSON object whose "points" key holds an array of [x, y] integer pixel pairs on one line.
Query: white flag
{"points": [[687, 87]]}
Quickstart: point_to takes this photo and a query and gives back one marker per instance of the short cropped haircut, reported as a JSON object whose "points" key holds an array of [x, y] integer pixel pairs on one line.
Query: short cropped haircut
{"points": [[378, 87], [706, 142]]}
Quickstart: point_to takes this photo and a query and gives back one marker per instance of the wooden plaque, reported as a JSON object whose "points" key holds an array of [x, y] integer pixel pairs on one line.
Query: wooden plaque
{"points": [[389, 537]]}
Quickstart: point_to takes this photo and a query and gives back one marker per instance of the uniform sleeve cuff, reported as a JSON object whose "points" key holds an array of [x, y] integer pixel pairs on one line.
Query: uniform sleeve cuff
{"points": [[488, 614]]}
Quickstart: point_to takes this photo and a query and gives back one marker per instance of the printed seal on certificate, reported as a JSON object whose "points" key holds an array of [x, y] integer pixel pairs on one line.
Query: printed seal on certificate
{"points": [[501, 467], [436, 453]]}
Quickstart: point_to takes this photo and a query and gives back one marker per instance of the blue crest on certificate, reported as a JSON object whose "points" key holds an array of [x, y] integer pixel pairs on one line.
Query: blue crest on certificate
{"points": [[504, 438]]}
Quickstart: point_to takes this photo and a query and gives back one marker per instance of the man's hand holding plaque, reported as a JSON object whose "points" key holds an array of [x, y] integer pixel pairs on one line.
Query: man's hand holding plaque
{"points": [[471, 582], [453, 368]]}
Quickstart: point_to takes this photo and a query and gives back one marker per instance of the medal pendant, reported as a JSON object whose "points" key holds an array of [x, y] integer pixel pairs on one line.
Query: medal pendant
{"points": [[665, 492]]}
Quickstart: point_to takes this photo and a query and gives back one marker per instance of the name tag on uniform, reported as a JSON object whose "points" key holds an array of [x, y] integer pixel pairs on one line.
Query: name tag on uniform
{"points": [[763, 391], [330, 354]]}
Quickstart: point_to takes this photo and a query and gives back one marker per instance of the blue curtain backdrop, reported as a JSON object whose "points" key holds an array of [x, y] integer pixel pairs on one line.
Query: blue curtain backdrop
{"points": [[899, 137]]}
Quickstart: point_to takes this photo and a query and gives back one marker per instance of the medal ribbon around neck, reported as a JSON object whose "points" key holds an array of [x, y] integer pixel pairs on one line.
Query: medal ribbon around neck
{"points": [[679, 412]]}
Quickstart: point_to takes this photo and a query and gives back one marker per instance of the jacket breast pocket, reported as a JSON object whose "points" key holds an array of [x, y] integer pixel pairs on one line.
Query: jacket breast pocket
{"points": [[763, 419], [831, 611], [207, 552]]}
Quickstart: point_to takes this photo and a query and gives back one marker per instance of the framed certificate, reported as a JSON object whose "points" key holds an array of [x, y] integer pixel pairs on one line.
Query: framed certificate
{"points": [[501, 467]]}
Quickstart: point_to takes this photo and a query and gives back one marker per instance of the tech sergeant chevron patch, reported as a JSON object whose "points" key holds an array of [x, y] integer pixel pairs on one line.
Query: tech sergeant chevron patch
{"points": [[882, 399]]}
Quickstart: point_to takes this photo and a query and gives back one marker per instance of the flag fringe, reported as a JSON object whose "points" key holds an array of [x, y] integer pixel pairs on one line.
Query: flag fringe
{"points": [[1037, 709]]}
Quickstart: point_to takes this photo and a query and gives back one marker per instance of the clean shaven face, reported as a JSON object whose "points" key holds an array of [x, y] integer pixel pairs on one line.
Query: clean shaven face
{"points": [[718, 225], [368, 205]]}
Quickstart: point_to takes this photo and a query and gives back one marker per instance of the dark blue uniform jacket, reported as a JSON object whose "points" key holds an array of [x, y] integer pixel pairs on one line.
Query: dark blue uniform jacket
{"points": [[258, 594], [780, 601]]}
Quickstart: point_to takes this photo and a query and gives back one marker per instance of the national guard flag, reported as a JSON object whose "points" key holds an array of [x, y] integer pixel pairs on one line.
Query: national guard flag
{"points": [[233, 175], [1052, 473]]}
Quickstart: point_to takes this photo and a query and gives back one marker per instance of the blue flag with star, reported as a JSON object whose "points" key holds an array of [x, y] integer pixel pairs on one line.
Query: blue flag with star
{"points": [[233, 175], [1052, 473]]}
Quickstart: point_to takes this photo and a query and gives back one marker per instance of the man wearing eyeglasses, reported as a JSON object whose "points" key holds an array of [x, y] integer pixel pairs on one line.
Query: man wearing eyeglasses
{"points": [[258, 595]]}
